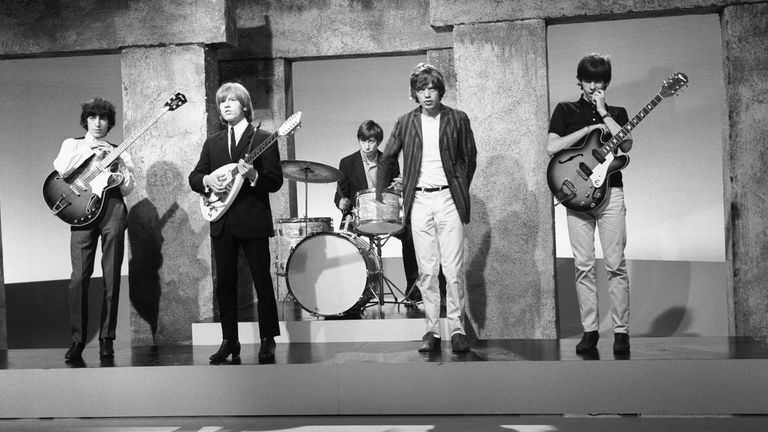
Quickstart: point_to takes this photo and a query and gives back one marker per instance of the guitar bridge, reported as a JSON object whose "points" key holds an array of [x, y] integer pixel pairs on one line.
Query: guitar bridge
{"points": [[60, 205]]}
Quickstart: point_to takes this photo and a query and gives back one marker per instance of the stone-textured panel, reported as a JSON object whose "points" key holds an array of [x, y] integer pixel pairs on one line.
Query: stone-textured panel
{"points": [[454, 12], [745, 38], [3, 314], [170, 258], [501, 75], [312, 28], [51, 26]]}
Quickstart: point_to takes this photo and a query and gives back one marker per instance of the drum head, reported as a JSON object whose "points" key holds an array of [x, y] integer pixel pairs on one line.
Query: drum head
{"points": [[327, 273]]}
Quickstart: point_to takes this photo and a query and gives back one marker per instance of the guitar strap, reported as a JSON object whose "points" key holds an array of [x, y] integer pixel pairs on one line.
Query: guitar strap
{"points": [[250, 144]]}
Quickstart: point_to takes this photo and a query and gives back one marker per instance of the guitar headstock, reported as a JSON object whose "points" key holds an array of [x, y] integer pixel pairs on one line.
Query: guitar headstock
{"points": [[673, 84], [176, 101], [290, 125]]}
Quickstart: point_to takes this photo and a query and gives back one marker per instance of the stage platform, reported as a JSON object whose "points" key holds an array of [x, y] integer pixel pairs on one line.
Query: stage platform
{"points": [[662, 376]]}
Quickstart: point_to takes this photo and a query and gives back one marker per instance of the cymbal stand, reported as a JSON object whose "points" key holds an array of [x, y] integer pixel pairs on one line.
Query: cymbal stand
{"points": [[382, 280]]}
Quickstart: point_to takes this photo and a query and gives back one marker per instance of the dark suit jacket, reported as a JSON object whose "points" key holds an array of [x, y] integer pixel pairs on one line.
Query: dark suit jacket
{"points": [[457, 152], [250, 214], [353, 178]]}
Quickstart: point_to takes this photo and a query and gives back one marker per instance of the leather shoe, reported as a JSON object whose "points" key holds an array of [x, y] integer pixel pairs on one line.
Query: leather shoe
{"points": [[75, 352], [267, 350], [588, 342], [621, 343], [459, 343], [228, 346], [106, 350], [429, 343]]}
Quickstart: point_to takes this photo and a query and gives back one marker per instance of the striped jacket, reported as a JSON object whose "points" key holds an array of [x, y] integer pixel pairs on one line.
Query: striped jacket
{"points": [[457, 151]]}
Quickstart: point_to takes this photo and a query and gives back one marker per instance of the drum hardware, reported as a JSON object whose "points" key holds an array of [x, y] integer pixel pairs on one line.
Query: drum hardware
{"points": [[309, 172], [382, 280]]}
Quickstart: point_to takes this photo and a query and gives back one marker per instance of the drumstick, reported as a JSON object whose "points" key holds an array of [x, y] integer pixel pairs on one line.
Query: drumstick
{"points": [[346, 222]]}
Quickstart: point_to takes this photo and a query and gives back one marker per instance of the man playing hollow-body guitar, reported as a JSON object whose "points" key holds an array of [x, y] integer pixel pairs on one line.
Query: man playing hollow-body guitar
{"points": [[571, 123]]}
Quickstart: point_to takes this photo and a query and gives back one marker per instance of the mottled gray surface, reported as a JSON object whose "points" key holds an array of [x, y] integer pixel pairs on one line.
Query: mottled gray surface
{"points": [[454, 12], [3, 324], [42, 26], [502, 85], [745, 38], [170, 258]]}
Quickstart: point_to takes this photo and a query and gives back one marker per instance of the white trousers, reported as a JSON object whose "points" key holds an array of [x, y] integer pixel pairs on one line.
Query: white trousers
{"points": [[610, 222], [438, 239]]}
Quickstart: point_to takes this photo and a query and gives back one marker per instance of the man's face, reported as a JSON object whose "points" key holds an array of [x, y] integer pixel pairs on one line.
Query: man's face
{"points": [[428, 98], [368, 147], [98, 126], [588, 88], [231, 110]]}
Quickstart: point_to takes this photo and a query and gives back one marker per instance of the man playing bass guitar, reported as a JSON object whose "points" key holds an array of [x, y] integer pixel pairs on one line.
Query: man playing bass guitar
{"points": [[97, 118], [571, 124]]}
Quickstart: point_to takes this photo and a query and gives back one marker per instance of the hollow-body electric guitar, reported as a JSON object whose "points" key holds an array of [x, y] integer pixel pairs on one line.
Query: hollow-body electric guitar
{"points": [[578, 176], [78, 198], [213, 205]]}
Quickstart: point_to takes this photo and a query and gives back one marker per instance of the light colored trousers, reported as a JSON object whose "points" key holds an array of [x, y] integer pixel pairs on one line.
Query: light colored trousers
{"points": [[438, 239], [611, 225]]}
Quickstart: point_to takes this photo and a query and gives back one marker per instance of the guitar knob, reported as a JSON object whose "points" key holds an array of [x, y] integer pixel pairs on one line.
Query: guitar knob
{"points": [[592, 205]]}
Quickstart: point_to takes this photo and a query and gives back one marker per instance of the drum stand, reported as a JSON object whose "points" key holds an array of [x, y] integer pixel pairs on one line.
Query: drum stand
{"points": [[382, 280]]}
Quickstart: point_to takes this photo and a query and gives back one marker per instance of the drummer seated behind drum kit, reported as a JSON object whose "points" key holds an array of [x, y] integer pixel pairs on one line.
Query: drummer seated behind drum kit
{"points": [[337, 273]]}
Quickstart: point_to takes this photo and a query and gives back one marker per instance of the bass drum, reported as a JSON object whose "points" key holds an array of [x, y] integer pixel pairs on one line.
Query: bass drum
{"points": [[328, 273]]}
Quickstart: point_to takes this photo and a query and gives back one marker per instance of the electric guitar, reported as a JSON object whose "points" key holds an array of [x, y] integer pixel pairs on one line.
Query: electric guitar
{"points": [[578, 176], [78, 198], [213, 205]]}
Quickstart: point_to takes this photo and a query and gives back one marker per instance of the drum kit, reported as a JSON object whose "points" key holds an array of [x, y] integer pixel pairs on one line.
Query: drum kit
{"points": [[331, 273]]}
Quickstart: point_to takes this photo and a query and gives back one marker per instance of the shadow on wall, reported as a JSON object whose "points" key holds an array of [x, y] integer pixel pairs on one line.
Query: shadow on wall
{"points": [[477, 295], [164, 271]]}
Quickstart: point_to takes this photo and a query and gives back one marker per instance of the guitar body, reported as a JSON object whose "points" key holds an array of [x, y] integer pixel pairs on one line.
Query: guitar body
{"points": [[213, 205], [576, 177], [75, 201]]}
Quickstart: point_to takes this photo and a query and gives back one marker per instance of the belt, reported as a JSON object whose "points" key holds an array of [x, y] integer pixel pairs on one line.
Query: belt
{"points": [[434, 189]]}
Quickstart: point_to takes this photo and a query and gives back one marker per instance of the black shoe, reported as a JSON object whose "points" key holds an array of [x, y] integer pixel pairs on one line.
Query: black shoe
{"points": [[621, 343], [429, 343], [459, 343], [75, 352], [588, 342], [414, 295], [267, 350], [106, 350], [228, 346]]}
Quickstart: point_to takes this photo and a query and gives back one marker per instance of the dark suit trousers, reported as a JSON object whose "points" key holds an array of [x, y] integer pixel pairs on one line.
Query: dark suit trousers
{"points": [[111, 228], [225, 249]]}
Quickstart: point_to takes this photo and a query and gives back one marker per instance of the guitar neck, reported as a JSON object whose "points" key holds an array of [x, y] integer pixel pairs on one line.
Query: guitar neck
{"points": [[611, 145], [104, 164], [250, 157]]}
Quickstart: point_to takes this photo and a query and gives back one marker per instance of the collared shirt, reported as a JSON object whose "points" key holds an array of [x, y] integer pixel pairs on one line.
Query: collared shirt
{"points": [[239, 130], [75, 151], [370, 168]]}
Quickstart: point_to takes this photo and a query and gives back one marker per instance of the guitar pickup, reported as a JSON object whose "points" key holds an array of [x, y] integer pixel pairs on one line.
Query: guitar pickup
{"points": [[584, 171], [598, 157]]}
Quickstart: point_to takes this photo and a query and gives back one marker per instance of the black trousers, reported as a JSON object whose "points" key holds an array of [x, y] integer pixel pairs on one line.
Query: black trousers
{"points": [[110, 227], [225, 248]]}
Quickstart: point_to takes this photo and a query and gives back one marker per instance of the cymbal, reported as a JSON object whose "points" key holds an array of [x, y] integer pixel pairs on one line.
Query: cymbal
{"points": [[310, 172]]}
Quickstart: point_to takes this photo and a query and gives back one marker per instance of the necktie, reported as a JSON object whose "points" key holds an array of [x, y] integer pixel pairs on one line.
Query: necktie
{"points": [[232, 143]]}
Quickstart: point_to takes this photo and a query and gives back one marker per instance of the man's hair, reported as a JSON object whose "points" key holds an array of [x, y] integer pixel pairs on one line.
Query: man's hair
{"points": [[97, 107], [423, 76], [241, 95], [370, 129], [594, 67]]}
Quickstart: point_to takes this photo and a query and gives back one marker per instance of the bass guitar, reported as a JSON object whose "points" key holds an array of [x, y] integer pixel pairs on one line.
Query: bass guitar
{"points": [[213, 205], [578, 176], [78, 198]]}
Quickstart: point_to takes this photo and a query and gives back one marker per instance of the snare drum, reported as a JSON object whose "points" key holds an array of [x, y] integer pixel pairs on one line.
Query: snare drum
{"points": [[328, 273], [290, 231], [376, 218]]}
